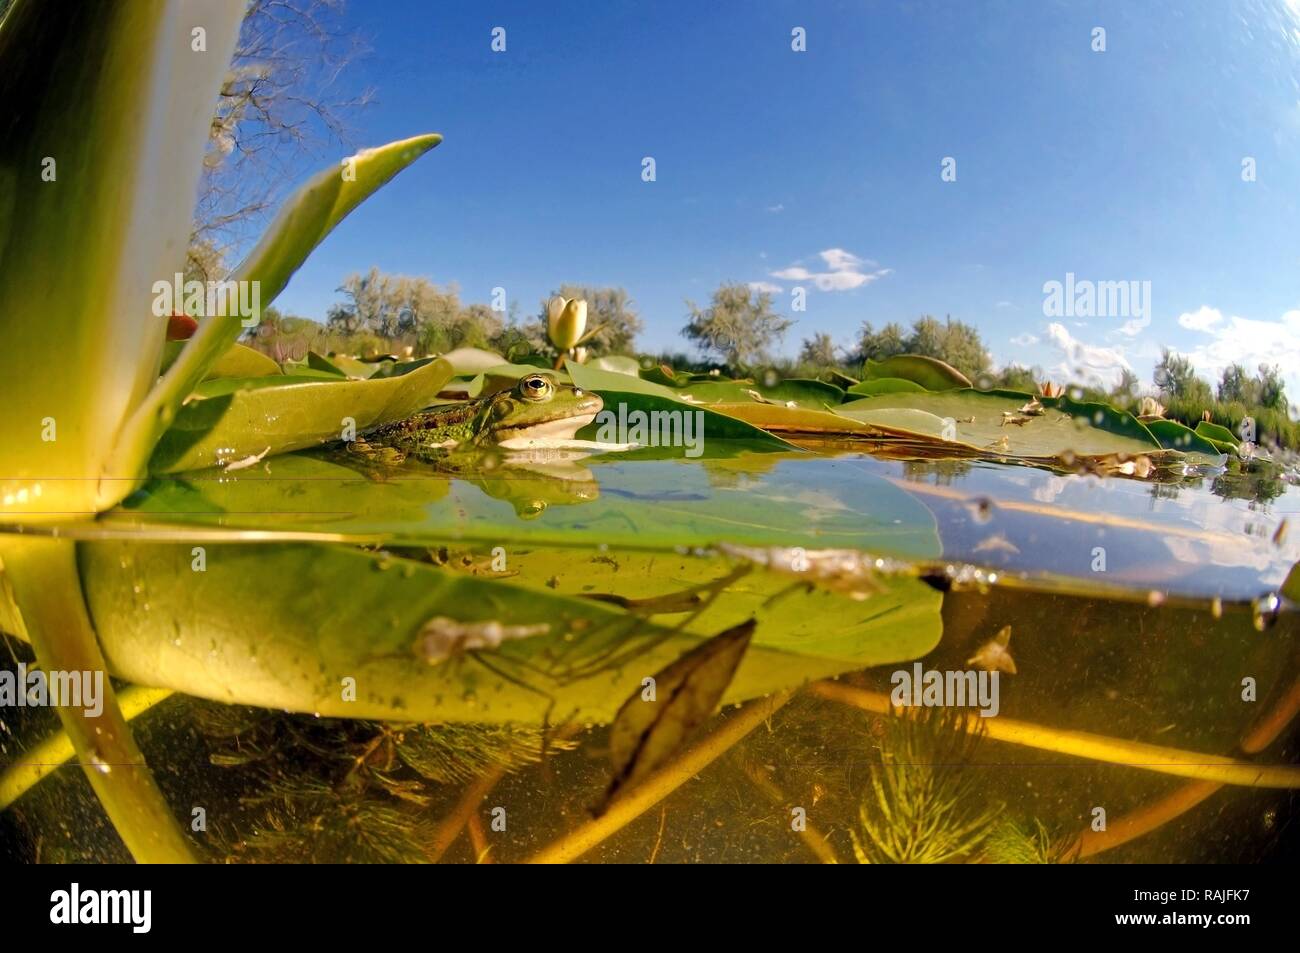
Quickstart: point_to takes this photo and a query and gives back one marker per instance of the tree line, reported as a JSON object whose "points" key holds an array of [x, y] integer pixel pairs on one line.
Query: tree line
{"points": [[738, 330]]}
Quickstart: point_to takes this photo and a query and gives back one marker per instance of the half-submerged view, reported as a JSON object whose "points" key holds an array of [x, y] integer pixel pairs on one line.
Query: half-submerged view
{"points": [[728, 433]]}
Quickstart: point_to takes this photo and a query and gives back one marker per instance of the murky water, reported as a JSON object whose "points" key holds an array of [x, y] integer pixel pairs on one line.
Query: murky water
{"points": [[1138, 612]]}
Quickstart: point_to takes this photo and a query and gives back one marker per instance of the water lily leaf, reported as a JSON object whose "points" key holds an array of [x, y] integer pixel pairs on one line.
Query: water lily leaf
{"points": [[630, 417], [931, 373], [1174, 436], [469, 361], [795, 421], [597, 380], [1217, 434], [992, 422], [237, 633], [1291, 587], [321, 363], [616, 364], [304, 220], [841, 380], [236, 426], [884, 385], [228, 385], [758, 500], [504, 376], [800, 392], [658, 718], [665, 375], [238, 361]]}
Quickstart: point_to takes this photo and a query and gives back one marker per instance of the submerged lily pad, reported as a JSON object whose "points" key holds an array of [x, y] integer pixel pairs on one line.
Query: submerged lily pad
{"points": [[265, 625]]}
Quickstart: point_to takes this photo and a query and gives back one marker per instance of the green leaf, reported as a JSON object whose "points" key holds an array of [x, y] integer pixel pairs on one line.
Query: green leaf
{"points": [[469, 361], [303, 222], [1066, 427], [218, 431], [801, 392], [111, 102], [885, 385], [931, 373], [237, 633], [715, 434], [648, 731], [1217, 434], [1174, 436], [758, 500], [616, 364]]}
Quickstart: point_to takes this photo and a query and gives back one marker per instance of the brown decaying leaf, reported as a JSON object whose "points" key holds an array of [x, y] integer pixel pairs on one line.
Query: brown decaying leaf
{"points": [[645, 734]]}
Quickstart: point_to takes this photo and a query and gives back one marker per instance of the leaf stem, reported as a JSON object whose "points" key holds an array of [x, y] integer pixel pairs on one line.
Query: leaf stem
{"points": [[1082, 744], [663, 782], [45, 581]]}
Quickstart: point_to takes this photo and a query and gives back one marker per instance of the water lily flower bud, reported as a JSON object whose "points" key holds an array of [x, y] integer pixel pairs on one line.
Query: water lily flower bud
{"points": [[566, 320]]}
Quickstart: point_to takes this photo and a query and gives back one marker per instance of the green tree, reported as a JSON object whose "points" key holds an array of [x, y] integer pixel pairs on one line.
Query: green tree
{"points": [[877, 345], [1176, 379], [1270, 388], [1235, 385], [818, 351], [740, 325], [955, 342]]}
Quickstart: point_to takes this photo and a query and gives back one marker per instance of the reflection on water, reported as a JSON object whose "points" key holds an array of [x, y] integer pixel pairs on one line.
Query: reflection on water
{"points": [[1128, 607]]}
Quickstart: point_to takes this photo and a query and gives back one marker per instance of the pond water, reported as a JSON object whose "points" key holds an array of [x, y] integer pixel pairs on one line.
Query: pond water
{"points": [[1115, 613]]}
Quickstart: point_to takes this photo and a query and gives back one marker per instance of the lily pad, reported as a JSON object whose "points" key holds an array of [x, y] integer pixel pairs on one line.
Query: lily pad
{"points": [[931, 373], [994, 423], [884, 385], [237, 633], [217, 431], [1174, 436]]}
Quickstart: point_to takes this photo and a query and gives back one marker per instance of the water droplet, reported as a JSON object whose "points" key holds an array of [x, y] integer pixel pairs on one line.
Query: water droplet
{"points": [[100, 765], [1264, 611]]}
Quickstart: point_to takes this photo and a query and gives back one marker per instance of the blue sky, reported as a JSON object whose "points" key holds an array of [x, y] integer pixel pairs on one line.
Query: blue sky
{"points": [[821, 169]]}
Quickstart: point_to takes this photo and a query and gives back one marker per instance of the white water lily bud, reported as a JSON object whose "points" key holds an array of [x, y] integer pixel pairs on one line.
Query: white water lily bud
{"points": [[567, 320]]}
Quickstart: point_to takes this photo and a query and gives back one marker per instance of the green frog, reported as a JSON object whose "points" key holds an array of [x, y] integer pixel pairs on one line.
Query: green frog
{"points": [[535, 408]]}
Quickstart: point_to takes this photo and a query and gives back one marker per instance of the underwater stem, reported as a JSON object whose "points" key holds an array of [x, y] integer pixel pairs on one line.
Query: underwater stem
{"points": [[663, 782], [812, 837], [1082, 744], [1147, 818], [48, 589], [56, 750]]}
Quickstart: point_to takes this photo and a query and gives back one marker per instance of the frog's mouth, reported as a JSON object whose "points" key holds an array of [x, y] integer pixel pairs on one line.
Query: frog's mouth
{"points": [[557, 428]]}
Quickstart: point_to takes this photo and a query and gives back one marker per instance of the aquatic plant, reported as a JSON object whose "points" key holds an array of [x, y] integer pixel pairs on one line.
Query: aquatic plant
{"points": [[925, 805], [1032, 842]]}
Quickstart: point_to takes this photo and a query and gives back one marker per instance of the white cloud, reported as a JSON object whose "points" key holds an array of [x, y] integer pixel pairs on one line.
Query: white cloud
{"points": [[1134, 326], [1202, 319], [1024, 340], [1085, 363], [1248, 342], [766, 286], [844, 271], [778, 207]]}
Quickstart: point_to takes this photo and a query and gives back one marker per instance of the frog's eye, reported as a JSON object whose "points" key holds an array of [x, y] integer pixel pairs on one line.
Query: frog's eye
{"points": [[536, 387]]}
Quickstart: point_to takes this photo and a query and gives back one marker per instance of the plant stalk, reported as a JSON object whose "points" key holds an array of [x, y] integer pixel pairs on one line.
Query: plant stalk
{"points": [[45, 580]]}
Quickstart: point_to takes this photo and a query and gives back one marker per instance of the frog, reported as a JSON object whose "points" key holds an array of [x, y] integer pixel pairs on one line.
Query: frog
{"points": [[536, 408]]}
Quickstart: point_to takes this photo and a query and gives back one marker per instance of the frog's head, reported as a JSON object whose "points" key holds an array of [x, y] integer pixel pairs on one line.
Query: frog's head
{"points": [[538, 407]]}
